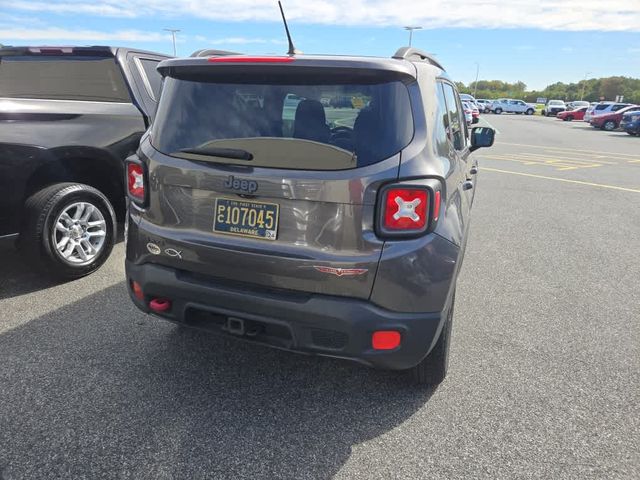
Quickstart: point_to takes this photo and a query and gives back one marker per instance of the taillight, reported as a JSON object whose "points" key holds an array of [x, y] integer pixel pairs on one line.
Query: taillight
{"points": [[405, 209], [136, 181], [408, 210]]}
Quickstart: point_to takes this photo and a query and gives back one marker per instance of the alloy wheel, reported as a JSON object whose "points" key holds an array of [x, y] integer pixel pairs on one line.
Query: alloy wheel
{"points": [[79, 233]]}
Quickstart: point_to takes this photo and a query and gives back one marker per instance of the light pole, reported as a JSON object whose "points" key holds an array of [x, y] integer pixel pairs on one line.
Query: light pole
{"points": [[173, 32], [411, 29], [584, 84], [475, 84]]}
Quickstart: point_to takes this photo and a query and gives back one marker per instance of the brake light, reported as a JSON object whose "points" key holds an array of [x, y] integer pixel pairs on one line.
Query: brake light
{"points": [[405, 209], [249, 59], [135, 181]]}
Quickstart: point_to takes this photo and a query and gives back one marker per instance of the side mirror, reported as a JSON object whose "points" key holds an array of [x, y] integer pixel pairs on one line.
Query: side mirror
{"points": [[482, 137]]}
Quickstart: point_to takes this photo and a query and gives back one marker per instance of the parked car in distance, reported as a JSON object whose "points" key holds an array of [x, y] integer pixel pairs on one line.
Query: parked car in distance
{"points": [[70, 116], [569, 115], [484, 105], [468, 112], [610, 121], [553, 107], [630, 123], [341, 239], [465, 97], [509, 105], [577, 104], [602, 108]]}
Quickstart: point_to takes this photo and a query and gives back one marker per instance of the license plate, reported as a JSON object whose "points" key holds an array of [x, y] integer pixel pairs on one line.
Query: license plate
{"points": [[246, 219]]}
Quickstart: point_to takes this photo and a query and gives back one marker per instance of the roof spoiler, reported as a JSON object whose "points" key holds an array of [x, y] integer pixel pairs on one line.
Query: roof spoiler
{"points": [[410, 53], [210, 52]]}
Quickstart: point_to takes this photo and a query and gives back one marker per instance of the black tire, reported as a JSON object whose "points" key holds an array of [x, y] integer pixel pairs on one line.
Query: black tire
{"points": [[569, 118], [498, 111], [529, 111], [432, 370], [609, 125], [41, 211]]}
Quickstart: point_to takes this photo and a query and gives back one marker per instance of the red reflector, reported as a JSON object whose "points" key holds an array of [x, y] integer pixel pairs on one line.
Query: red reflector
{"points": [[385, 340], [244, 59], [436, 206], [405, 209], [160, 304], [137, 290], [135, 180]]}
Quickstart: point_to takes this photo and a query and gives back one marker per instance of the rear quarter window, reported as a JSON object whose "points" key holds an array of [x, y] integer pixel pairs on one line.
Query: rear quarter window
{"points": [[64, 77]]}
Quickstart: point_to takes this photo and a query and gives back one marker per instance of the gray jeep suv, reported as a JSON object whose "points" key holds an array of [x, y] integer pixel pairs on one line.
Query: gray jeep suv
{"points": [[261, 208]]}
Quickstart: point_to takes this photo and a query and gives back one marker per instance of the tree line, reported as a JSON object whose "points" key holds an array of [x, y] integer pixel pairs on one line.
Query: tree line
{"points": [[592, 90]]}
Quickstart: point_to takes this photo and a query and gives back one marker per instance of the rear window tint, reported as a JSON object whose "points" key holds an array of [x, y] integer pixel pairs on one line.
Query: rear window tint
{"points": [[602, 107], [153, 76], [62, 78], [338, 126]]}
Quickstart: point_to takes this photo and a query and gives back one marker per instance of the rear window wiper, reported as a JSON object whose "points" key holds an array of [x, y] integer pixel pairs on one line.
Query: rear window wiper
{"points": [[211, 151]]}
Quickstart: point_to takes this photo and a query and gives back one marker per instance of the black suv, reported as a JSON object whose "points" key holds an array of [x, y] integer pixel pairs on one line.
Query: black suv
{"points": [[296, 223], [69, 116]]}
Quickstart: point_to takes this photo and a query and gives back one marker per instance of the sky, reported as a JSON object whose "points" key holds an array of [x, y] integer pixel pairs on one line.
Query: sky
{"points": [[538, 42]]}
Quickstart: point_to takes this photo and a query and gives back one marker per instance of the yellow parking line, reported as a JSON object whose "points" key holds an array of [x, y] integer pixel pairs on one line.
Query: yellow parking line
{"points": [[568, 159], [606, 154], [547, 162], [553, 161], [599, 185]]}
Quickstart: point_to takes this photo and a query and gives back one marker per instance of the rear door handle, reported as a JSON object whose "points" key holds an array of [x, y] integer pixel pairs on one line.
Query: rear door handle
{"points": [[468, 185]]}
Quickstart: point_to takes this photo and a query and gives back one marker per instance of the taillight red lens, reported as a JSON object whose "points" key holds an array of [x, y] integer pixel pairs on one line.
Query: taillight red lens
{"points": [[135, 180], [405, 209], [436, 205], [385, 340]]}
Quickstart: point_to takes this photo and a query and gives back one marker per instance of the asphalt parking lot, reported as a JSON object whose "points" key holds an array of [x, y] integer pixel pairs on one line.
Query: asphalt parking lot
{"points": [[543, 381]]}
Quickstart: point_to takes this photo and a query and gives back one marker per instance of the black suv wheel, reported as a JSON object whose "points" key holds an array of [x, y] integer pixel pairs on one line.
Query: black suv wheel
{"points": [[69, 229]]}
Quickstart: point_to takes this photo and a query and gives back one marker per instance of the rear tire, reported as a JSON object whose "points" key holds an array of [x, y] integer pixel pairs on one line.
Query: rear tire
{"points": [[498, 111], [609, 126], [68, 230], [432, 370], [529, 111]]}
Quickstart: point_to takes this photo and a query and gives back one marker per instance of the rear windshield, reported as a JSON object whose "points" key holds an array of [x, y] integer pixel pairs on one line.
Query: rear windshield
{"points": [[295, 122], [62, 78]]}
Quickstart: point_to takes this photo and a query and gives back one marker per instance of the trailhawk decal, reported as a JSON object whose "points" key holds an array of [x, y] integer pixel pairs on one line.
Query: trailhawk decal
{"points": [[341, 272]]}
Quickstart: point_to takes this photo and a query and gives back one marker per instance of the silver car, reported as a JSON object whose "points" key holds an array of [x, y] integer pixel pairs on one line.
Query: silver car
{"points": [[509, 105], [335, 231]]}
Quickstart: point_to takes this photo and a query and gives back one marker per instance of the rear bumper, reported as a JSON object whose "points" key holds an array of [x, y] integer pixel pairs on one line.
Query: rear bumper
{"points": [[307, 323]]}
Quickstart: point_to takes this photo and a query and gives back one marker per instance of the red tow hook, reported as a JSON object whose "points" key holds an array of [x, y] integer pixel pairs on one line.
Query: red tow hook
{"points": [[160, 305]]}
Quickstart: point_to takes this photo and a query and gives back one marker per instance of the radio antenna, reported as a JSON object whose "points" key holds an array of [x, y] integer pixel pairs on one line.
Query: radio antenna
{"points": [[292, 49]]}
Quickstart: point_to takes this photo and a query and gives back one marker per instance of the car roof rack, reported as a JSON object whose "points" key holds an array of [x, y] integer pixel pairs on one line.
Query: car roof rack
{"points": [[410, 53], [210, 52]]}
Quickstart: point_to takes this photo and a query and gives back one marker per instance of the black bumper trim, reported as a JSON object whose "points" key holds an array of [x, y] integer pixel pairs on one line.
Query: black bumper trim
{"points": [[353, 318]]}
